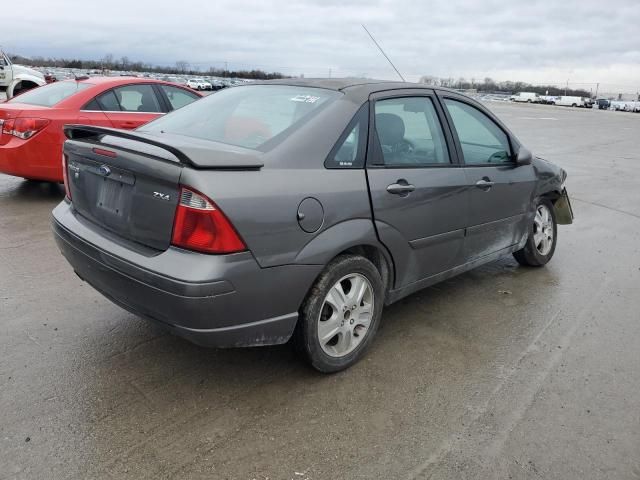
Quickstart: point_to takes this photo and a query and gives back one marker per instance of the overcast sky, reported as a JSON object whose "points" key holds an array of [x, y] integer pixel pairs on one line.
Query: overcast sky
{"points": [[535, 41]]}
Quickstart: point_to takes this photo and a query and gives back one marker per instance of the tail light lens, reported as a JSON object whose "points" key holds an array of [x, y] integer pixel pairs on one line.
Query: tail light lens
{"points": [[24, 128], [65, 176], [7, 126], [201, 226]]}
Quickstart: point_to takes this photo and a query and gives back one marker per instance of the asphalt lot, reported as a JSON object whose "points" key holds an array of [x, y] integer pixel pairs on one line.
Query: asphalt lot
{"points": [[504, 372]]}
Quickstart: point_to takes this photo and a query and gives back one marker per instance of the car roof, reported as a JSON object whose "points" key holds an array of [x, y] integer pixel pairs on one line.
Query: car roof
{"points": [[98, 80], [340, 84]]}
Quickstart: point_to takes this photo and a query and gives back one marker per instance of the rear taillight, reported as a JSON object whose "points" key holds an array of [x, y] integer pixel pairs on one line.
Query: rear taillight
{"points": [[24, 128], [200, 225], [7, 126], [65, 175]]}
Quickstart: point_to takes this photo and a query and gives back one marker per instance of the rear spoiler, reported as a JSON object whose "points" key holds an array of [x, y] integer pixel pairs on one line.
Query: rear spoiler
{"points": [[86, 132], [193, 152]]}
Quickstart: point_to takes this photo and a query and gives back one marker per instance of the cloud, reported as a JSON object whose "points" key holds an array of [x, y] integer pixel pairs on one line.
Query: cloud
{"points": [[539, 41]]}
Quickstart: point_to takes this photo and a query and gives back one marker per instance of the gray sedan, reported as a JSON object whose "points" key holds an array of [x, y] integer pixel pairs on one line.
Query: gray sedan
{"points": [[298, 209]]}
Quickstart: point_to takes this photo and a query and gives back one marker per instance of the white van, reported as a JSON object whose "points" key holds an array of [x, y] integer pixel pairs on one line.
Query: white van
{"points": [[569, 101], [528, 97]]}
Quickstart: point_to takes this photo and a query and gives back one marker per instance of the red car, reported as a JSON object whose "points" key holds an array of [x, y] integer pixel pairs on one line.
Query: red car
{"points": [[31, 124]]}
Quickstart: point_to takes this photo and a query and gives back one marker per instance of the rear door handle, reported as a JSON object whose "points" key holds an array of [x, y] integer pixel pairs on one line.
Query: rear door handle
{"points": [[401, 187], [484, 184]]}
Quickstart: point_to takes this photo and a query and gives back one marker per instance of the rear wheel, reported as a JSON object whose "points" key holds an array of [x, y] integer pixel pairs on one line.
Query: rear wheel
{"points": [[541, 242], [341, 314]]}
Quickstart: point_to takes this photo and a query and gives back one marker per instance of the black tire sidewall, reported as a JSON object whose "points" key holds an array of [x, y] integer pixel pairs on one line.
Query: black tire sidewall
{"points": [[307, 330], [532, 255]]}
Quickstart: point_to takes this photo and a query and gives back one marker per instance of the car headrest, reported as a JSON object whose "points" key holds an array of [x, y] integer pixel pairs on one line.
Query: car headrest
{"points": [[390, 128]]}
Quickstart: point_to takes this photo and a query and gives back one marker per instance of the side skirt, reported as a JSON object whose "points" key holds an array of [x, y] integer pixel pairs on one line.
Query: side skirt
{"points": [[395, 295]]}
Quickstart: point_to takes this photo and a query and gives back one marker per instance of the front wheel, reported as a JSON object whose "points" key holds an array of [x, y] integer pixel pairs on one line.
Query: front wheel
{"points": [[341, 315], [543, 235]]}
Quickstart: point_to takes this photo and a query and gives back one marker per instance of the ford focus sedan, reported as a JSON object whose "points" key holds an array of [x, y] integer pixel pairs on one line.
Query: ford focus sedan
{"points": [[299, 209], [31, 135]]}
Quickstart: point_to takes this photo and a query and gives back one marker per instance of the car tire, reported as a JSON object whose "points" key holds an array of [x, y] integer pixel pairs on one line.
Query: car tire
{"points": [[542, 237], [348, 328]]}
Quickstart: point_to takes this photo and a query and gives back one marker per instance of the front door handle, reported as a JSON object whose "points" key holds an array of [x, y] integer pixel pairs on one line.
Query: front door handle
{"points": [[401, 187], [484, 184]]}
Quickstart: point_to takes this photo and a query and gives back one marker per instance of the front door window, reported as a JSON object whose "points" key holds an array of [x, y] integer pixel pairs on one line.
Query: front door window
{"points": [[483, 142]]}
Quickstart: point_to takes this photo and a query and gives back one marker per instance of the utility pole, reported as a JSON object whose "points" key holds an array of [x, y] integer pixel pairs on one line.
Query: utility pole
{"points": [[597, 87], [566, 88], [329, 72]]}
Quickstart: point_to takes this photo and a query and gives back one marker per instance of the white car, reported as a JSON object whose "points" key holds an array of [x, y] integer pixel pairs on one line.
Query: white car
{"points": [[15, 79], [625, 106], [199, 84]]}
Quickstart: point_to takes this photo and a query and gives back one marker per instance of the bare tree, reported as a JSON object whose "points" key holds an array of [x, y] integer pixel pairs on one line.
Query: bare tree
{"points": [[107, 61], [182, 66], [430, 80]]}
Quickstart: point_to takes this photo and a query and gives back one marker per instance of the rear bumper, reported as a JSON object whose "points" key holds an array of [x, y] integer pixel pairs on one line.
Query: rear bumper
{"points": [[34, 159], [218, 301]]}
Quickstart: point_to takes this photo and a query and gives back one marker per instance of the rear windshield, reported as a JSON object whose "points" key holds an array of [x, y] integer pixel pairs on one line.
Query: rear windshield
{"points": [[255, 116], [50, 95]]}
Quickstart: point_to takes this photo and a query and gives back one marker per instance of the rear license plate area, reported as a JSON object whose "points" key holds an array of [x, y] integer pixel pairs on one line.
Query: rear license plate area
{"points": [[111, 196], [108, 190]]}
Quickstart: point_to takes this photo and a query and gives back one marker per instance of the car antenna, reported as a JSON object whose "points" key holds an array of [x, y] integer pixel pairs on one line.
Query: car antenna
{"points": [[382, 51]]}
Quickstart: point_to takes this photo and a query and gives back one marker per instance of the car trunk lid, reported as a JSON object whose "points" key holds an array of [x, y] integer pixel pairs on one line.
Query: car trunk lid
{"points": [[127, 193], [129, 183]]}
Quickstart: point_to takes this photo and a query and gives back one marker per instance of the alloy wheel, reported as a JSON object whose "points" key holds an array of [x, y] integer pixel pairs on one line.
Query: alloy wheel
{"points": [[543, 230], [346, 314]]}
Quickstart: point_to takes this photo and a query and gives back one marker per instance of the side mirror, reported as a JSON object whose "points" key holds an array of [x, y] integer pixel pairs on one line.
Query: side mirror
{"points": [[524, 157]]}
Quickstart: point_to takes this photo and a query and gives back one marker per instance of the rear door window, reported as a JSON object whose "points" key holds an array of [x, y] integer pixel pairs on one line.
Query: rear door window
{"points": [[178, 97], [137, 98], [409, 132], [108, 102]]}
